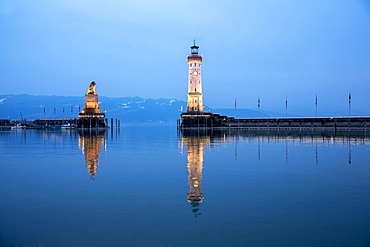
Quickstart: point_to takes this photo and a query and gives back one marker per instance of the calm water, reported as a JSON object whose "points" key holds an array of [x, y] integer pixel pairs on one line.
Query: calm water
{"points": [[153, 186]]}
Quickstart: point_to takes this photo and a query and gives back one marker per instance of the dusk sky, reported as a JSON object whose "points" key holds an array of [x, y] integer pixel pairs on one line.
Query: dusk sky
{"points": [[267, 49]]}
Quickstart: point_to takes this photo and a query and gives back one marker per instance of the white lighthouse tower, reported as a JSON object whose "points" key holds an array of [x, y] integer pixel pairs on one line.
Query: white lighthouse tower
{"points": [[195, 96]]}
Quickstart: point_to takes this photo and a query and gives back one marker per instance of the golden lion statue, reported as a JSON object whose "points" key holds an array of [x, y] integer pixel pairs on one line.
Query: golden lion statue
{"points": [[91, 89]]}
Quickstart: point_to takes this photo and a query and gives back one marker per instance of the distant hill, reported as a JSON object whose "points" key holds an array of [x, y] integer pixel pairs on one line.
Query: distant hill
{"points": [[128, 109]]}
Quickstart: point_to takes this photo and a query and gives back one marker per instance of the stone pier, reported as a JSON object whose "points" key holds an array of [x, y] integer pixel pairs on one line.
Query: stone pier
{"points": [[212, 120]]}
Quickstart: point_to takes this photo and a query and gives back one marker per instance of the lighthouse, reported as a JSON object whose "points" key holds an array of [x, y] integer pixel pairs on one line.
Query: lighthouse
{"points": [[195, 115], [195, 96]]}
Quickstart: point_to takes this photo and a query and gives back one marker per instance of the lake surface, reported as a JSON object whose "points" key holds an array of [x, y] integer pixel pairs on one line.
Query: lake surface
{"points": [[155, 186]]}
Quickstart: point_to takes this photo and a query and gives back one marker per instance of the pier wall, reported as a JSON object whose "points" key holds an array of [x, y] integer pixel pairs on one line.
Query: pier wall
{"points": [[82, 122], [56, 122], [211, 120]]}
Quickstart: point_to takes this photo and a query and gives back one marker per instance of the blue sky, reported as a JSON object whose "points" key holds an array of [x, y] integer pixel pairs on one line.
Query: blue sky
{"points": [[267, 49]]}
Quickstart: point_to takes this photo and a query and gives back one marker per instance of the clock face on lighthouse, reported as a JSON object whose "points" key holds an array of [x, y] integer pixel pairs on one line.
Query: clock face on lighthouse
{"points": [[195, 73]]}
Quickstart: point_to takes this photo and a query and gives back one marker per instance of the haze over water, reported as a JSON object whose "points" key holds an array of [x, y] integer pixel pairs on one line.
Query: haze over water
{"points": [[155, 186]]}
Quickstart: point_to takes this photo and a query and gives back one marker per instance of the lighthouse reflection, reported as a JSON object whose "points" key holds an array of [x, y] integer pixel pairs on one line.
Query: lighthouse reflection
{"points": [[195, 145], [91, 142], [197, 141], [195, 151]]}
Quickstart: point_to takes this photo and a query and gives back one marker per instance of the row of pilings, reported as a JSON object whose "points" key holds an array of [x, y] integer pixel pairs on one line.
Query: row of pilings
{"points": [[117, 122]]}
